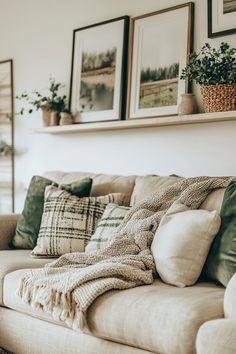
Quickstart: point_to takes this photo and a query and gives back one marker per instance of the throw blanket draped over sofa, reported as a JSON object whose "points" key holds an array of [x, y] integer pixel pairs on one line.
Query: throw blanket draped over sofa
{"points": [[68, 286]]}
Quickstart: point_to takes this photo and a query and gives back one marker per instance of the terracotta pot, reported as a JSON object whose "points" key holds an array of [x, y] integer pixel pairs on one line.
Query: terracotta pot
{"points": [[66, 118], [45, 116], [188, 104]]}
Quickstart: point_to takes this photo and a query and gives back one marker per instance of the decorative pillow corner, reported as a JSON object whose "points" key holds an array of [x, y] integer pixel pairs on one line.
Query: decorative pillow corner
{"points": [[68, 222], [80, 188], [28, 226], [106, 228], [181, 243], [221, 262]]}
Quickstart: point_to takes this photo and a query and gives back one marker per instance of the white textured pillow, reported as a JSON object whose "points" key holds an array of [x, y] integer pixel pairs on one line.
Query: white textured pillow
{"points": [[182, 242]]}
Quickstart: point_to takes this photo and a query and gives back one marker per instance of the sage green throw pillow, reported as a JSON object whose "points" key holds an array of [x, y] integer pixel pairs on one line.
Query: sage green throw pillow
{"points": [[221, 261], [29, 222]]}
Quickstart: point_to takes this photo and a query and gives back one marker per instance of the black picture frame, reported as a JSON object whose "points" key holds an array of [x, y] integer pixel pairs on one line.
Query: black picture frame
{"points": [[124, 67], [212, 34]]}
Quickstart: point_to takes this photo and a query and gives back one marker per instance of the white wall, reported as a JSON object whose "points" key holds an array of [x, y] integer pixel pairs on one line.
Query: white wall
{"points": [[37, 34]]}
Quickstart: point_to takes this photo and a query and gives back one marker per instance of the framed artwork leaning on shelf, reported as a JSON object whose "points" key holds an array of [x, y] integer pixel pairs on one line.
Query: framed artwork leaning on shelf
{"points": [[99, 71], [160, 44]]}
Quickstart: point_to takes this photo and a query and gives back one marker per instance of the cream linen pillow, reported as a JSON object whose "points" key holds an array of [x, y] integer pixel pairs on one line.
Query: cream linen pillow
{"points": [[182, 242]]}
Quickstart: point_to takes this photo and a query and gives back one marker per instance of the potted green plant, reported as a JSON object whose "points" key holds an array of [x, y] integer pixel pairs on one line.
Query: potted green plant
{"points": [[51, 104], [5, 149], [215, 71]]}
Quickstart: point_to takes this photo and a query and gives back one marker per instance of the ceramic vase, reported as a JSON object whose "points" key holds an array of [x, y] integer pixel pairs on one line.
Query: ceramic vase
{"points": [[45, 116], [66, 118], [188, 104], [54, 118]]}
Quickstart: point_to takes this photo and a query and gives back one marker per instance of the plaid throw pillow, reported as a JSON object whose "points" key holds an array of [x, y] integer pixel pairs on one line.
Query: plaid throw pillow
{"points": [[68, 222], [111, 219], [28, 225]]}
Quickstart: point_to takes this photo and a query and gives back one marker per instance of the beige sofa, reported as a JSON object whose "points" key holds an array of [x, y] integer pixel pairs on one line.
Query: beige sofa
{"points": [[158, 318]]}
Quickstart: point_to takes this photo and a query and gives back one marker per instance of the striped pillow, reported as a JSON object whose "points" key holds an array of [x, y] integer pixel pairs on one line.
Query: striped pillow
{"points": [[68, 222], [111, 219]]}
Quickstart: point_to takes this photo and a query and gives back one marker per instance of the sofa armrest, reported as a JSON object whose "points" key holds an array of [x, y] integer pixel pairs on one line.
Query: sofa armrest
{"points": [[217, 337], [7, 229], [230, 299]]}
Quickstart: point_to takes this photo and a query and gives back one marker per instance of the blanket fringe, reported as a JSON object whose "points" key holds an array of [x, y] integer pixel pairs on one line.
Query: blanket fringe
{"points": [[60, 305]]}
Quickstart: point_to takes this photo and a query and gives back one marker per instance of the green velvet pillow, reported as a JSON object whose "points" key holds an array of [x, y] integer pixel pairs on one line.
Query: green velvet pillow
{"points": [[27, 228], [221, 261]]}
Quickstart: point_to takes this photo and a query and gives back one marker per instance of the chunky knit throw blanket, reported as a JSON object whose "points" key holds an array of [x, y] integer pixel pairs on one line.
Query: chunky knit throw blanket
{"points": [[68, 286]]}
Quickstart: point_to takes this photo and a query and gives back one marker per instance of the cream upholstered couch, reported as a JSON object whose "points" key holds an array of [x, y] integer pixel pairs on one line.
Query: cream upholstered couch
{"points": [[158, 318]]}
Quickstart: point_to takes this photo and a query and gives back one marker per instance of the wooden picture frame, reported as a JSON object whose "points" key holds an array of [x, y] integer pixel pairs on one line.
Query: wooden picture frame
{"points": [[6, 137], [154, 97], [221, 18], [99, 71]]}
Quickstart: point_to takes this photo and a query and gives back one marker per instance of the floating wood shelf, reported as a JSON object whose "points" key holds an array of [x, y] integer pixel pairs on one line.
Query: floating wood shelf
{"points": [[139, 123]]}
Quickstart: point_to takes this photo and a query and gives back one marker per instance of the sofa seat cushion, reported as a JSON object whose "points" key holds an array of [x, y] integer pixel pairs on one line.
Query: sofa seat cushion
{"points": [[13, 301], [12, 260], [159, 318]]}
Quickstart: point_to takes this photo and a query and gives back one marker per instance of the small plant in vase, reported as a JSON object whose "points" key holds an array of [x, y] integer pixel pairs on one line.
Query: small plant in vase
{"points": [[215, 71], [51, 104], [66, 117]]}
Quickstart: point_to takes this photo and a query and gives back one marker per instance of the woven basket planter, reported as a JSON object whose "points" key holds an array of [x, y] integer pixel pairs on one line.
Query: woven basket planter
{"points": [[219, 98]]}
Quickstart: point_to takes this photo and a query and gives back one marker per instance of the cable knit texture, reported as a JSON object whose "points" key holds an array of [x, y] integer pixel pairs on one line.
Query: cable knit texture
{"points": [[68, 286]]}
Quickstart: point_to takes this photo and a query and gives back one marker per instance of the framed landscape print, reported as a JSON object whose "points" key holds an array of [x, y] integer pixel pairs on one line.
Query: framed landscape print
{"points": [[99, 70], [221, 17], [160, 44], [6, 138]]}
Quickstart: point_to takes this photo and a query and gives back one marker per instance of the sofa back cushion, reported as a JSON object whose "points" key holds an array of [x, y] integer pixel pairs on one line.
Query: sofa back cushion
{"points": [[102, 184], [214, 200], [145, 186], [136, 188]]}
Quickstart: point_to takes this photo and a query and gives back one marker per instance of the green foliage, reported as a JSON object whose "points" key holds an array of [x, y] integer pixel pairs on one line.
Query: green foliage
{"points": [[53, 101], [5, 149], [94, 61], [212, 66], [169, 72]]}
